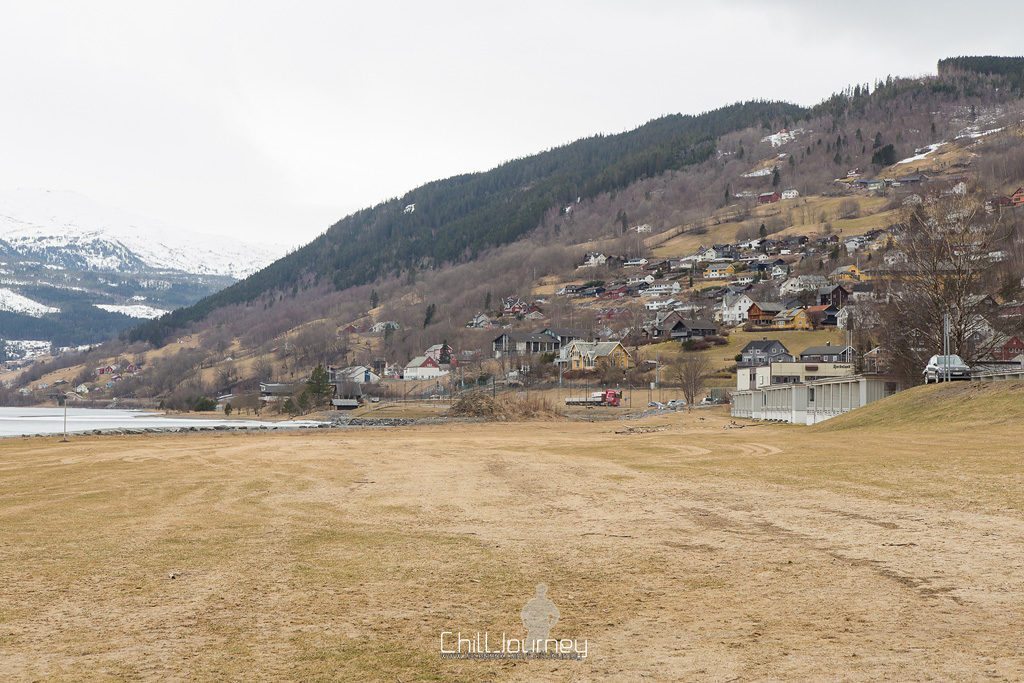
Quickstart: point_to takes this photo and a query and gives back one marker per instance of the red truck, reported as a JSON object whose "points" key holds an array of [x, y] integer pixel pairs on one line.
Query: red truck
{"points": [[608, 397]]}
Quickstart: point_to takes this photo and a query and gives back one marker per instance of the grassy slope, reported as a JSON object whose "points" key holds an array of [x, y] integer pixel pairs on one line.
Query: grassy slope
{"points": [[946, 407]]}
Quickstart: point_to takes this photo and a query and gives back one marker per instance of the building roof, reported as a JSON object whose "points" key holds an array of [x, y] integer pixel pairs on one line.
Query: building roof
{"points": [[770, 306], [276, 389], [420, 361], [565, 332], [762, 345], [596, 349], [826, 350], [539, 337], [699, 324], [788, 314]]}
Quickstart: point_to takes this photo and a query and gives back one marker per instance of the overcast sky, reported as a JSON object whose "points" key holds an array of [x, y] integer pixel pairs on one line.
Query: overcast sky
{"points": [[271, 120]]}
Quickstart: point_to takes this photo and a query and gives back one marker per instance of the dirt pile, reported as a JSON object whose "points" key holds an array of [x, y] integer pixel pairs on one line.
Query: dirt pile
{"points": [[503, 408]]}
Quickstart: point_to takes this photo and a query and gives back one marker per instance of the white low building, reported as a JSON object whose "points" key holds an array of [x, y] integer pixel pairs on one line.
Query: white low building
{"points": [[811, 402]]}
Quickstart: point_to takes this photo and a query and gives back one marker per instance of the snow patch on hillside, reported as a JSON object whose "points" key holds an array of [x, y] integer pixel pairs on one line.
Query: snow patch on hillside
{"points": [[758, 173], [16, 303], [783, 136], [133, 310], [921, 153], [973, 132]]}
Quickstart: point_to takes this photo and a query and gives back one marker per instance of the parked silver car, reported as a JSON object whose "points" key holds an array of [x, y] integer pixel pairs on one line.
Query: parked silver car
{"points": [[941, 367]]}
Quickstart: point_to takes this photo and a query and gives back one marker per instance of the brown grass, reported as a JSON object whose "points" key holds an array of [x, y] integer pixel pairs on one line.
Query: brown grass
{"points": [[682, 552]]}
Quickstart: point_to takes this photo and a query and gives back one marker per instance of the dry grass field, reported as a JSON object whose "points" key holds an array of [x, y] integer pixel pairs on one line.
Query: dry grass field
{"points": [[883, 545]]}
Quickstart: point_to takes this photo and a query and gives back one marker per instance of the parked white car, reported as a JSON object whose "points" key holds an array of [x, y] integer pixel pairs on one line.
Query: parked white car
{"points": [[941, 367]]}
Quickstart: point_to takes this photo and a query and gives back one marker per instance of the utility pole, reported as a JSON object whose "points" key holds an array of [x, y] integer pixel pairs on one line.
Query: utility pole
{"points": [[657, 373], [945, 347]]}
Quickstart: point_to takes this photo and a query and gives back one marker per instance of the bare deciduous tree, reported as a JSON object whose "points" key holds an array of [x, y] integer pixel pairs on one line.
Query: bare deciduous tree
{"points": [[944, 246], [691, 371]]}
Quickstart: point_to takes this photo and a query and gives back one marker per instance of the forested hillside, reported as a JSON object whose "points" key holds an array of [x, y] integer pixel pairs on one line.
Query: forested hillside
{"points": [[1008, 70], [457, 218]]}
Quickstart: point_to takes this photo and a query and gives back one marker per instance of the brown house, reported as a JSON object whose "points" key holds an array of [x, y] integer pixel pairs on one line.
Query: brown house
{"points": [[763, 312]]}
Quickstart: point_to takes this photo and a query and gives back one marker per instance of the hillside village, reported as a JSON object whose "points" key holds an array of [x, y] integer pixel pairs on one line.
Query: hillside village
{"points": [[819, 260]]}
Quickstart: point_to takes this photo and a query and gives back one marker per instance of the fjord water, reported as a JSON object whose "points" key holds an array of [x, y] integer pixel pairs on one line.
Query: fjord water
{"points": [[31, 421]]}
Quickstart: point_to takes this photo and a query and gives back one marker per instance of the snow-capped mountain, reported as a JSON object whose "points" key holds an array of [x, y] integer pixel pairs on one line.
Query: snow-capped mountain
{"points": [[69, 231], [75, 272]]}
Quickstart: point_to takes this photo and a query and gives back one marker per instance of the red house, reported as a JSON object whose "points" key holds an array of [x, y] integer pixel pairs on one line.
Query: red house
{"points": [[768, 197], [1017, 198], [1009, 349]]}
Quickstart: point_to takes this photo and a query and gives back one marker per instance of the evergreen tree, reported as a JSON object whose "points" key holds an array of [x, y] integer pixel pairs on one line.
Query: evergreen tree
{"points": [[446, 353], [776, 177], [318, 386], [428, 317], [374, 299], [885, 156], [487, 301]]}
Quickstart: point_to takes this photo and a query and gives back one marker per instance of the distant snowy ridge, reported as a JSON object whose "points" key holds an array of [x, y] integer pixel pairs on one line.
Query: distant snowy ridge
{"points": [[16, 303], [133, 310], [67, 230]]}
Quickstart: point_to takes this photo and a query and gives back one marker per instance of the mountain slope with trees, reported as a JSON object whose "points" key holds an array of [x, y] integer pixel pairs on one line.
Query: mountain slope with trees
{"points": [[454, 220]]}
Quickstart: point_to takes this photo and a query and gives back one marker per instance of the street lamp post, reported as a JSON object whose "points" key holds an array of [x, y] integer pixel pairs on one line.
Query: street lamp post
{"points": [[64, 400]]}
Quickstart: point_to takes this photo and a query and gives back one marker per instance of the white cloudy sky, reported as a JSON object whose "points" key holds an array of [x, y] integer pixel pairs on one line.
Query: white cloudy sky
{"points": [[270, 120]]}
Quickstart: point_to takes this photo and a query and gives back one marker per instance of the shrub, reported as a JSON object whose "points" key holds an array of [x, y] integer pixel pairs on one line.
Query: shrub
{"points": [[204, 404]]}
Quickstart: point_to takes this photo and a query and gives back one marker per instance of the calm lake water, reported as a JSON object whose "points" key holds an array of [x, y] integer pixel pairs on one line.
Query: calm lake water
{"points": [[29, 421]]}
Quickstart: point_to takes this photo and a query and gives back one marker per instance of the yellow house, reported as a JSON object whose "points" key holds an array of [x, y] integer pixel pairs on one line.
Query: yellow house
{"points": [[847, 274], [583, 355], [717, 271], [793, 319]]}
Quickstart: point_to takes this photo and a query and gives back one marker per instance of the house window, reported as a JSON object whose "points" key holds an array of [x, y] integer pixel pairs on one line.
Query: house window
{"points": [[810, 394]]}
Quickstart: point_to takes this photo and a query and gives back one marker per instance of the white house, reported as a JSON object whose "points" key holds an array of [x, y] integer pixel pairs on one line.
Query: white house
{"points": [[422, 367], [357, 374], [661, 289], [635, 263], [661, 304], [790, 194], [637, 279], [481, 322], [594, 259], [800, 283], [734, 308]]}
